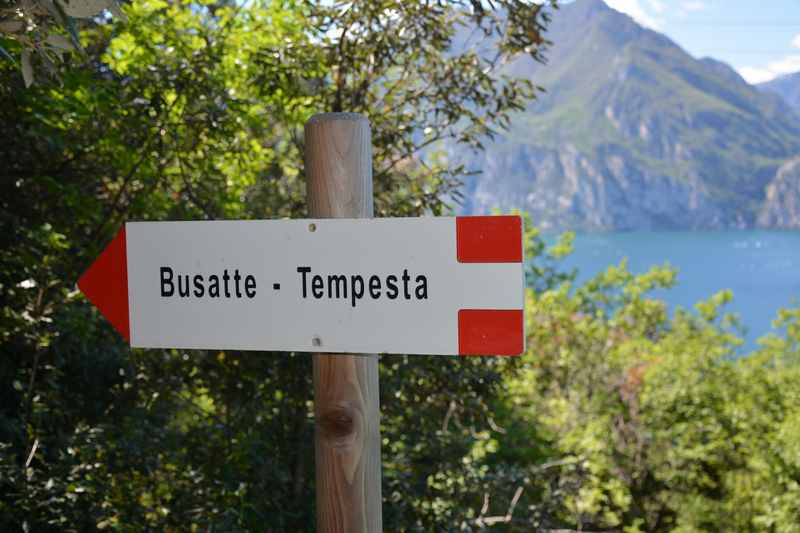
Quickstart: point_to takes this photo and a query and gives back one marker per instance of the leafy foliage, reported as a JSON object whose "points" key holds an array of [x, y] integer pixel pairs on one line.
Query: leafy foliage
{"points": [[649, 422], [619, 417], [195, 111], [46, 30]]}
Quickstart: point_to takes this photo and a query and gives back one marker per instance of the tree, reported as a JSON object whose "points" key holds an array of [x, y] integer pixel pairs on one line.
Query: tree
{"points": [[645, 422], [194, 111]]}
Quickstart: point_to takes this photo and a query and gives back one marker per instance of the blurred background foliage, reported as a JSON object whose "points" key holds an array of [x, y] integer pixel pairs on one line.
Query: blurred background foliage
{"points": [[620, 417]]}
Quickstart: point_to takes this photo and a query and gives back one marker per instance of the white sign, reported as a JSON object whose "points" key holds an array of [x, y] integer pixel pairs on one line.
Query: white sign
{"points": [[413, 285]]}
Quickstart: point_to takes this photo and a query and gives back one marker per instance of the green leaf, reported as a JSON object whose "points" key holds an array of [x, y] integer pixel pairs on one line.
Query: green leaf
{"points": [[27, 68], [11, 26], [84, 9], [59, 41]]}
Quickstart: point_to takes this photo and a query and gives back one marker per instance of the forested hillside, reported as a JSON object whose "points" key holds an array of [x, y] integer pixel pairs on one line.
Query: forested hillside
{"points": [[619, 417]]}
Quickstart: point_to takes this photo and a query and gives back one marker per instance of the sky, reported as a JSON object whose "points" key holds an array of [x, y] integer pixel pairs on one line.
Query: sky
{"points": [[759, 38]]}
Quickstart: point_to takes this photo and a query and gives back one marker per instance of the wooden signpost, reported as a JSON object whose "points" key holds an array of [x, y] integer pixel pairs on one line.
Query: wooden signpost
{"points": [[339, 283], [347, 439]]}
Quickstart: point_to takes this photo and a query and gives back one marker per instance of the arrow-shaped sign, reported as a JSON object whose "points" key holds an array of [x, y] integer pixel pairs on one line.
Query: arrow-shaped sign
{"points": [[105, 284], [408, 285]]}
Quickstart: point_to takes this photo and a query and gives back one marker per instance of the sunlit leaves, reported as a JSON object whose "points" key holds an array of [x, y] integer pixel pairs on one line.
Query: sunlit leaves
{"points": [[195, 110], [671, 430]]}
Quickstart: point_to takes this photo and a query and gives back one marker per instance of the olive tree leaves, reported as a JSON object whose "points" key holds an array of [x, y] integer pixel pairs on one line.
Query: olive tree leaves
{"points": [[42, 31]]}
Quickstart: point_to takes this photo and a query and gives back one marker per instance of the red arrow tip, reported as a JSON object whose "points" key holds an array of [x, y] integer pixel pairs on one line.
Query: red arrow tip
{"points": [[105, 284]]}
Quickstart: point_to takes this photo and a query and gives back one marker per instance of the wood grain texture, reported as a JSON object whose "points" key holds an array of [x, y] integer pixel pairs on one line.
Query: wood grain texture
{"points": [[338, 156], [339, 166]]}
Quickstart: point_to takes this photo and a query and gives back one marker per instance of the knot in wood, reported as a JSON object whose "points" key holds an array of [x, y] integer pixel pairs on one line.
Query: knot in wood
{"points": [[339, 424]]}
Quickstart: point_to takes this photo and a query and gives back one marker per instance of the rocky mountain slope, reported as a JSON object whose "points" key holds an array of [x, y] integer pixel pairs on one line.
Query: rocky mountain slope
{"points": [[633, 133], [786, 86], [782, 206]]}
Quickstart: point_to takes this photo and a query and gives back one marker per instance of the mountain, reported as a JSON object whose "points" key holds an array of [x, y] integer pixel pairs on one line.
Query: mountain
{"points": [[786, 86], [782, 206], [634, 133]]}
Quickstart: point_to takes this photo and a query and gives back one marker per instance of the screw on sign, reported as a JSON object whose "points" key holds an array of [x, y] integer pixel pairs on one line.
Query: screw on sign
{"points": [[341, 283]]}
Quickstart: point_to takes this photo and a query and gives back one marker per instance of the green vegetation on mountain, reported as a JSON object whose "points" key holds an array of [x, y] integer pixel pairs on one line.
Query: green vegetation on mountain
{"points": [[633, 133], [618, 418]]}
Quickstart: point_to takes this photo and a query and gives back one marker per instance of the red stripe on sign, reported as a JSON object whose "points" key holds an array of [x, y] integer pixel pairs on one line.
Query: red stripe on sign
{"points": [[491, 332], [489, 239], [105, 284]]}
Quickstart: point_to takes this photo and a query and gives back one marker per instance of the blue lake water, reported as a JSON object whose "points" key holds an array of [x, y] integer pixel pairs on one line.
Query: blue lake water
{"points": [[762, 268]]}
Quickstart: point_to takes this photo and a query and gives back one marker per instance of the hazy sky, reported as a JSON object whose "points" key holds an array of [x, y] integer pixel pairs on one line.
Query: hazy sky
{"points": [[759, 38]]}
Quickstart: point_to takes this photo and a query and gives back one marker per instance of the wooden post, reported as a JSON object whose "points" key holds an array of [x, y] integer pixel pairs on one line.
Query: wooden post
{"points": [[338, 154]]}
